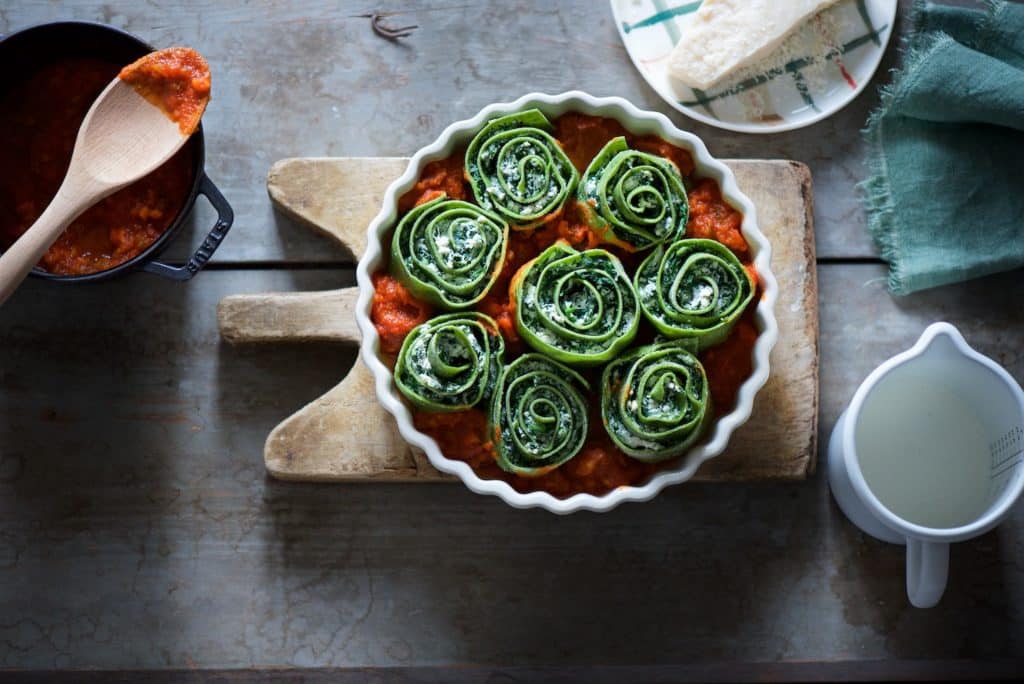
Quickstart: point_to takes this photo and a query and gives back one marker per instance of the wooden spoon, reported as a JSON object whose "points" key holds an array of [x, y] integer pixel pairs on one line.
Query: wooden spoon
{"points": [[125, 135]]}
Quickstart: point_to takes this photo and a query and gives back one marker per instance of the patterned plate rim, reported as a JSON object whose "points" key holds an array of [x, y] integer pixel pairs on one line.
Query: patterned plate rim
{"points": [[752, 127]]}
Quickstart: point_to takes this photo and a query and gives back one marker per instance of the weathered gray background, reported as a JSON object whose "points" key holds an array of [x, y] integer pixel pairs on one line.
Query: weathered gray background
{"points": [[137, 528]]}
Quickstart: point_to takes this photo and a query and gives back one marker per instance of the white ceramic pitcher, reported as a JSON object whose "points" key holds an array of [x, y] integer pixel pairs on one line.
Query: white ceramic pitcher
{"points": [[882, 475]]}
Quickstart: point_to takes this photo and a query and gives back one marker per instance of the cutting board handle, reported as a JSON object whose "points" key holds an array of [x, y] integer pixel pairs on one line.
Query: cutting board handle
{"points": [[290, 317], [336, 197]]}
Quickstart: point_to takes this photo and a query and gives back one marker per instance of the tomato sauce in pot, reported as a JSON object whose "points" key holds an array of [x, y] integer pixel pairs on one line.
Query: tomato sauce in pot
{"points": [[39, 120]]}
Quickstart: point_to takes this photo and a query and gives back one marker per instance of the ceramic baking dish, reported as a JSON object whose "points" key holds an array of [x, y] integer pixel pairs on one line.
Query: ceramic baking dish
{"points": [[639, 122]]}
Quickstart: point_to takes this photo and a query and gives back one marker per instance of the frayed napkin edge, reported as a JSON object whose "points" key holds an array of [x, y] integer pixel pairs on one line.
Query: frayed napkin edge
{"points": [[875, 191]]}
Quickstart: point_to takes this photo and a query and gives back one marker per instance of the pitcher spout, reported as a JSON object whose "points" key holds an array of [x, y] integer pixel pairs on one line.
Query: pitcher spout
{"points": [[942, 341]]}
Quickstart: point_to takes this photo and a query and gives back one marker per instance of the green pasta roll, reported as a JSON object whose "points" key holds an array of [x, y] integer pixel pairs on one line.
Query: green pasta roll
{"points": [[538, 415], [451, 362], [449, 252], [518, 170], [577, 307], [693, 289], [633, 199], [655, 401]]}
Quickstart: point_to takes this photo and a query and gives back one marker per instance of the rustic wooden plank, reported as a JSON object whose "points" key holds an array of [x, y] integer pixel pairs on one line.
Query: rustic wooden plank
{"points": [[326, 441], [338, 198], [827, 671], [137, 527], [361, 95], [326, 316]]}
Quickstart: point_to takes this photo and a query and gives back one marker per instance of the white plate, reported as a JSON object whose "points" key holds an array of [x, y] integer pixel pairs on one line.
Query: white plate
{"points": [[773, 100], [635, 121]]}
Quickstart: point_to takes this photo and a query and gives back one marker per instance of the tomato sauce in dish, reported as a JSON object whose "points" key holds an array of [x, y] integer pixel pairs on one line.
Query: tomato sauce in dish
{"points": [[177, 80], [395, 312], [438, 177], [712, 218], [39, 120], [600, 466]]}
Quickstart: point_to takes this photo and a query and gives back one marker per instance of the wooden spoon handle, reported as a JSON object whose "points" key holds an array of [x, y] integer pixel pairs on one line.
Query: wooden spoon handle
{"points": [[290, 317], [25, 253]]}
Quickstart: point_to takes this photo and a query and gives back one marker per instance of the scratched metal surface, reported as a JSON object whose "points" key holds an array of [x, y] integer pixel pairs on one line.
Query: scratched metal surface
{"points": [[137, 529]]}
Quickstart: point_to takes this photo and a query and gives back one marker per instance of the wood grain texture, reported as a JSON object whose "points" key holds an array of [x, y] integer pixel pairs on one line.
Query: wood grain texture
{"points": [[327, 316], [363, 96], [138, 527], [327, 441], [712, 673], [367, 96], [355, 189], [345, 436]]}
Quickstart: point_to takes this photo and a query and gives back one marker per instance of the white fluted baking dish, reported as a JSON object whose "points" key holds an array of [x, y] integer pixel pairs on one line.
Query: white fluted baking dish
{"points": [[638, 122]]}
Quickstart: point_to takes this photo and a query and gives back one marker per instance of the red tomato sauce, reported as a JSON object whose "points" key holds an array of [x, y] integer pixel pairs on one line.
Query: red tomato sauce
{"points": [[395, 312], [177, 80], [39, 120], [600, 466], [438, 177], [713, 219]]}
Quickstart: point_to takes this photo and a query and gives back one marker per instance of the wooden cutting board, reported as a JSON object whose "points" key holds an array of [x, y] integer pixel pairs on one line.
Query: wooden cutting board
{"points": [[345, 435]]}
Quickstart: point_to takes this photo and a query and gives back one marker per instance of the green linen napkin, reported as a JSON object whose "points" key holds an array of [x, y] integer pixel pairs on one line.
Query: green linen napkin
{"points": [[945, 198]]}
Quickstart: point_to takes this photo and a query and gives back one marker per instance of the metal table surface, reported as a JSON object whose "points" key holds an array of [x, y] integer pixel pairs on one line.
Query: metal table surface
{"points": [[138, 530]]}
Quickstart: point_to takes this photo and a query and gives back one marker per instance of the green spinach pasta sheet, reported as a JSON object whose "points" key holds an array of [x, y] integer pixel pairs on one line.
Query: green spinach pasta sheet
{"points": [[694, 289], [577, 307], [655, 401], [451, 362], [449, 252], [518, 170], [539, 415], [633, 199]]}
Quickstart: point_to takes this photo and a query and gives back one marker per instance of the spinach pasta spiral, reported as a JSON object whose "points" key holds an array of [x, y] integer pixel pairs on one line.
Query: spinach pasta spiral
{"points": [[633, 199], [695, 289], [449, 252], [518, 170], [451, 362], [655, 401], [538, 415], [577, 307]]}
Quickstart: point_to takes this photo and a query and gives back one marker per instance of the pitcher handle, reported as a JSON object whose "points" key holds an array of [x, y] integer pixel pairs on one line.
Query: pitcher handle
{"points": [[927, 571]]}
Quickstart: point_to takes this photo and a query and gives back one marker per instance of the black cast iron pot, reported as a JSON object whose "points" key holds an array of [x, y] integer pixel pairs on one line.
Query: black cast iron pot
{"points": [[25, 51]]}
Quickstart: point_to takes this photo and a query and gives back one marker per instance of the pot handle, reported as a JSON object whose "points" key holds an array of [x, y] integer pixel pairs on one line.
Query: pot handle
{"points": [[225, 217], [927, 571]]}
